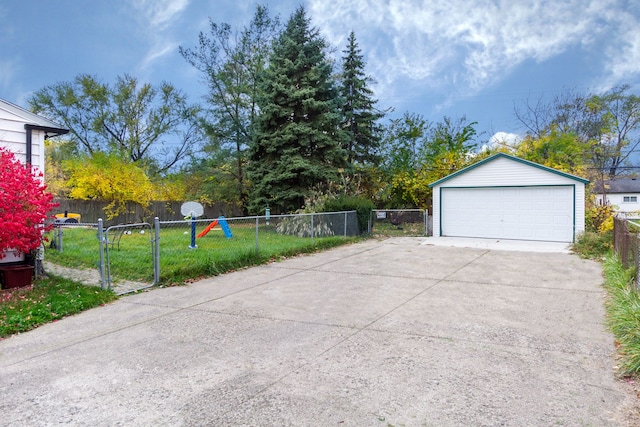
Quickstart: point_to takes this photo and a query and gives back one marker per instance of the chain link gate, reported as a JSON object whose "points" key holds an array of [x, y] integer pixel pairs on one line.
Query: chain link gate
{"points": [[117, 244]]}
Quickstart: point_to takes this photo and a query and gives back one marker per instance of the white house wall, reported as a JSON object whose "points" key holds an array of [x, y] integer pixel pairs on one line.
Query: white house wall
{"points": [[617, 200], [13, 135], [505, 172]]}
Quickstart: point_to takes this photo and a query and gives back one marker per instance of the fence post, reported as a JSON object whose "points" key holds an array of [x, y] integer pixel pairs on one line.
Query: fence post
{"points": [[59, 238], [426, 222], [311, 228], [345, 224], [156, 257], [103, 281], [257, 224]]}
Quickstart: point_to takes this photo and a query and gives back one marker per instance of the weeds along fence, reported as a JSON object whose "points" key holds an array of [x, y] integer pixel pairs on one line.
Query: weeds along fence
{"points": [[192, 248], [627, 244], [399, 222]]}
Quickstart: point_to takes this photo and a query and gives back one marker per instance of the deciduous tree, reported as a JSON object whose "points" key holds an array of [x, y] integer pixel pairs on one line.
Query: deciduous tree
{"points": [[230, 64], [106, 177], [152, 125], [608, 124]]}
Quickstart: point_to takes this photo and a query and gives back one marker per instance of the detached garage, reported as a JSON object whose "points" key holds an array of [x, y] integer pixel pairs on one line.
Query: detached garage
{"points": [[505, 197]]}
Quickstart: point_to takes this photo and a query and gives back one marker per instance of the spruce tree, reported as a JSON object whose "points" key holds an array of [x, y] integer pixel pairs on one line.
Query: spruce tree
{"points": [[297, 142], [359, 113]]}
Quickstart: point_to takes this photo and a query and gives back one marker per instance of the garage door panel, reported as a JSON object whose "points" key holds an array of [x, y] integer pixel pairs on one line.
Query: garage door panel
{"points": [[528, 213]]}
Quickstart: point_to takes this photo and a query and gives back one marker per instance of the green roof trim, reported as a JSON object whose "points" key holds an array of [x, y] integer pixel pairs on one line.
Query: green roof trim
{"points": [[510, 157]]}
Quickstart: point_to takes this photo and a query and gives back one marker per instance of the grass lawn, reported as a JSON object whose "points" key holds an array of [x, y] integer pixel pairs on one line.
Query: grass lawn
{"points": [[47, 300], [622, 301], [214, 254], [623, 313], [385, 228]]}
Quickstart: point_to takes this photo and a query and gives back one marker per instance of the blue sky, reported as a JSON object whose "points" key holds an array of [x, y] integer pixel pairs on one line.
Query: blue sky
{"points": [[436, 57]]}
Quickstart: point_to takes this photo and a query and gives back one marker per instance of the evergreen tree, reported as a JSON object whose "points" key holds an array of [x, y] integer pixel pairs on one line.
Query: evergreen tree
{"points": [[230, 63], [297, 142], [359, 113]]}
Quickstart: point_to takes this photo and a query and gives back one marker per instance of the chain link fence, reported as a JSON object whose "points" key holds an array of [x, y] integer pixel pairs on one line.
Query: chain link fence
{"points": [[399, 222], [187, 249]]}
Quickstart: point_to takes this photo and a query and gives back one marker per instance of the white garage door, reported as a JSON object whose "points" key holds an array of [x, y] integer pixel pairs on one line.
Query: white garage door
{"points": [[523, 213]]}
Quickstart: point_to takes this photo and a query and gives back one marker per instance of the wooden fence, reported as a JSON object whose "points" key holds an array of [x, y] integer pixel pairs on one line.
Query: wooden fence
{"points": [[625, 242], [91, 210]]}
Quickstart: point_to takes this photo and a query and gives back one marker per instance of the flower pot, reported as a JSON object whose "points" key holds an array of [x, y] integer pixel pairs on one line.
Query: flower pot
{"points": [[16, 276], [11, 256]]}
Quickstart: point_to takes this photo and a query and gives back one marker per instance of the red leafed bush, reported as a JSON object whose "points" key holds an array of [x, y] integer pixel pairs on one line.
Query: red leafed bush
{"points": [[24, 206]]}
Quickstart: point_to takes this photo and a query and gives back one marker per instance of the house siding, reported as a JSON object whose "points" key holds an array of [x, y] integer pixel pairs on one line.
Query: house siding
{"points": [[506, 172], [617, 200], [13, 135]]}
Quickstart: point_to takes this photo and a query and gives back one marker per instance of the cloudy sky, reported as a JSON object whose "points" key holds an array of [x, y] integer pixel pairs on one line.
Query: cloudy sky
{"points": [[477, 58]]}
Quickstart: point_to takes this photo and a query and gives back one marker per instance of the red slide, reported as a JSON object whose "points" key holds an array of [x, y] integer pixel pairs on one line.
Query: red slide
{"points": [[208, 229]]}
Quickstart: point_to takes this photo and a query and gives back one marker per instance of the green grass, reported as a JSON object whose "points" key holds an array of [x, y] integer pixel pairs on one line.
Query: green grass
{"points": [[623, 313], [215, 254], [385, 228], [593, 245], [49, 299]]}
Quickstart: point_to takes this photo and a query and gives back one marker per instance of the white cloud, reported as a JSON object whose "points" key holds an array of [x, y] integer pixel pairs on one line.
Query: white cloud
{"points": [[8, 70], [157, 52], [474, 44], [502, 140], [623, 54], [160, 13]]}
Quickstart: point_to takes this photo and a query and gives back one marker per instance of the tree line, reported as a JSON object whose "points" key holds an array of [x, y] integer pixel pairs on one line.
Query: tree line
{"points": [[283, 126]]}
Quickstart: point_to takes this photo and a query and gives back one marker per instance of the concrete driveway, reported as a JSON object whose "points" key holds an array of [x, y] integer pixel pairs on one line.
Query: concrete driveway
{"points": [[381, 333]]}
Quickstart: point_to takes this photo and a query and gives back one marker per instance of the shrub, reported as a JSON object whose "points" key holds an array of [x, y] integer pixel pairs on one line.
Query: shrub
{"points": [[593, 245], [361, 205], [301, 226], [25, 206], [599, 218]]}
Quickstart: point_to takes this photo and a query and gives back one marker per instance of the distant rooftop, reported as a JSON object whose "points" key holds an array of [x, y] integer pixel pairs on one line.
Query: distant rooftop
{"points": [[618, 185]]}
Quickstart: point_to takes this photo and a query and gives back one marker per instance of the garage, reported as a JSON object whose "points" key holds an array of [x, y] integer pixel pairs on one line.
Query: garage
{"points": [[505, 197]]}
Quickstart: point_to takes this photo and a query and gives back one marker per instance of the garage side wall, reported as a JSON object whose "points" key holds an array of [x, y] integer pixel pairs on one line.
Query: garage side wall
{"points": [[504, 172]]}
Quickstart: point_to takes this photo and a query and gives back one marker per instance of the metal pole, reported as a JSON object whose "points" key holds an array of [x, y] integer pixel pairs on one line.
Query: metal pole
{"points": [[103, 279], [193, 232], [59, 237], [345, 224], [156, 258], [311, 228], [257, 224], [426, 222]]}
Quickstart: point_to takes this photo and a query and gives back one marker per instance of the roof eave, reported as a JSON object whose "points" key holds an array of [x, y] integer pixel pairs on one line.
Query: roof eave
{"points": [[514, 158]]}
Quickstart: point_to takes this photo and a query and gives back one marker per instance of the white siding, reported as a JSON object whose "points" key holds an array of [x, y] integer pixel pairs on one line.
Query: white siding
{"points": [[617, 201], [13, 135], [506, 172]]}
